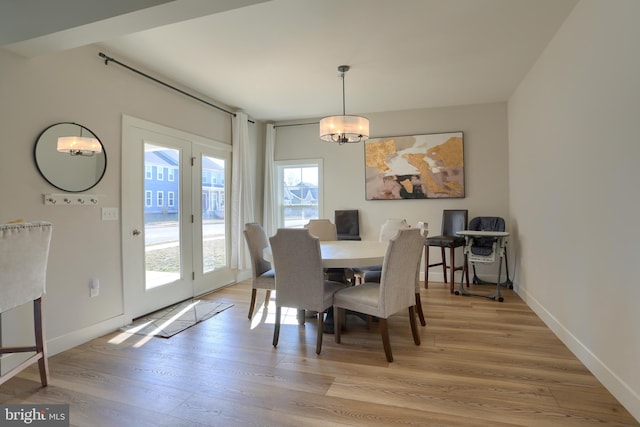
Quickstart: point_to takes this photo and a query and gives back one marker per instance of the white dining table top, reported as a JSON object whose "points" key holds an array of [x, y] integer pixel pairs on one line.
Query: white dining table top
{"points": [[347, 253]]}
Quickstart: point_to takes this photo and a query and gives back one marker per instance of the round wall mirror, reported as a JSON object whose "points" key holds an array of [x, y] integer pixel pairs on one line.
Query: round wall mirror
{"points": [[70, 157]]}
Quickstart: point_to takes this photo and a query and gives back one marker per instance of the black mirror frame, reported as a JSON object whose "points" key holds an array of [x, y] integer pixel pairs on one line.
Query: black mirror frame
{"points": [[48, 179]]}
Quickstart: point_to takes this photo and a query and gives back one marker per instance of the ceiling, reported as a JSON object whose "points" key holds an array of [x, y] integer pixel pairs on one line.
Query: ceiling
{"points": [[277, 60]]}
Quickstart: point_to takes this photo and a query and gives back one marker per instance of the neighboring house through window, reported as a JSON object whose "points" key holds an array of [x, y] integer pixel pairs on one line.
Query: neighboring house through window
{"points": [[299, 191]]}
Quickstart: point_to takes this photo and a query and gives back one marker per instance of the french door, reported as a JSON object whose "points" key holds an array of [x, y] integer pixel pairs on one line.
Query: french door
{"points": [[174, 216]]}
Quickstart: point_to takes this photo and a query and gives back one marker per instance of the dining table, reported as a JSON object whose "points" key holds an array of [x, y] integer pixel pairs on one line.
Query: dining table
{"points": [[346, 253]]}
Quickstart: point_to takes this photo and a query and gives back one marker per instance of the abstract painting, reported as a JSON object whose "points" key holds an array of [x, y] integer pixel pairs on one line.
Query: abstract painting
{"points": [[429, 166]]}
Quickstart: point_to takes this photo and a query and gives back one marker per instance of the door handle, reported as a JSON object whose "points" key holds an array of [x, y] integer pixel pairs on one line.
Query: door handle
{"points": [[136, 232]]}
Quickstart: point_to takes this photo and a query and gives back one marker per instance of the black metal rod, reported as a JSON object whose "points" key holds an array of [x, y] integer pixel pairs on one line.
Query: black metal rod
{"points": [[108, 59], [295, 124]]}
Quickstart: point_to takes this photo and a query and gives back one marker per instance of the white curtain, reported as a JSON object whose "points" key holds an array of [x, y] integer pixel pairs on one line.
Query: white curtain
{"points": [[270, 203], [242, 195]]}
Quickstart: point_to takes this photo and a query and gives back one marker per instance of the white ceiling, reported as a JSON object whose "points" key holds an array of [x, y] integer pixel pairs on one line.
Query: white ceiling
{"points": [[277, 60]]}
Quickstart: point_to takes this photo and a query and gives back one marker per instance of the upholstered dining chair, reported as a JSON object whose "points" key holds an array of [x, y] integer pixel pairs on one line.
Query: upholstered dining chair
{"points": [[347, 224], [394, 292], [387, 230], [374, 276], [326, 231], [24, 253], [300, 281], [452, 221], [323, 229], [262, 275]]}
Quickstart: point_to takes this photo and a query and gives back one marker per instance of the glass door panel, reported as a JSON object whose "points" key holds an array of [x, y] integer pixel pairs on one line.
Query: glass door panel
{"points": [[211, 264], [162, 241], [214, 242]]}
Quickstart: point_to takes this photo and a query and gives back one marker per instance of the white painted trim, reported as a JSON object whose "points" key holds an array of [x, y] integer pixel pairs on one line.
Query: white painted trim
{"points": [[81, 336], [618, 388]]}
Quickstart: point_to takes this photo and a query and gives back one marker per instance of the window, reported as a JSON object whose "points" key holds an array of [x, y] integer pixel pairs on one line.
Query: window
{"points": [[160, 198], [171, 199], [299, 191], [148, 199], [160, 173], [171, 173], [148, 172]]}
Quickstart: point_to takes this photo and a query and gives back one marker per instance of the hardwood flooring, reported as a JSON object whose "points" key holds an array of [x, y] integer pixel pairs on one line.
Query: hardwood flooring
{"points": [[481, 363]]}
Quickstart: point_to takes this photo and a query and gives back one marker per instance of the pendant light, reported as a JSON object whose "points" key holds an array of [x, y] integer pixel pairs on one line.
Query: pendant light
{"points": [[343, 129]]}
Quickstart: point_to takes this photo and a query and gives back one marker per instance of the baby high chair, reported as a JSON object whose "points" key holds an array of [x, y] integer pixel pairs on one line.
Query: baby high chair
{"points": [[485, 240]]}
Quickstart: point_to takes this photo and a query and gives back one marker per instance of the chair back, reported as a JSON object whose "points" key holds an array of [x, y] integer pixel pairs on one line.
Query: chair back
{"points": [[391, 227], [347, 224], [323, 229], [297, 260], [257, 240], [454, 220], [399, 271], [24, 252]]}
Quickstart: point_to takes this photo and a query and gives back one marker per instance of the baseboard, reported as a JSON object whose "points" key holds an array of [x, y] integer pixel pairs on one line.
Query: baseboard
{"points": [[81, 336], [616, 386]]}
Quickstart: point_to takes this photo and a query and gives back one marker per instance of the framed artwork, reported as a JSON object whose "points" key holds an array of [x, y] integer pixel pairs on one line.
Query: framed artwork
{"points": [[429, 166]]}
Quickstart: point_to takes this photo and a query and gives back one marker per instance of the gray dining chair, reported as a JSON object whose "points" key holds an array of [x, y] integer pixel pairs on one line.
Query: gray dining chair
{"points": [[262, 275], [374, 276], [300, 281], [387, 230], [327, 231], [323, 229], [24, 254], [396, 290]]}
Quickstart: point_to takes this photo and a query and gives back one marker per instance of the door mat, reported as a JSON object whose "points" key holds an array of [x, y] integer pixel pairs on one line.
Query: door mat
{"points": [[169, 321]]}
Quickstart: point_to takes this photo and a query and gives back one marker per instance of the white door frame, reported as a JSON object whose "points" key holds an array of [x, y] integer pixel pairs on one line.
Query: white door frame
{"points": [[137, 300]]}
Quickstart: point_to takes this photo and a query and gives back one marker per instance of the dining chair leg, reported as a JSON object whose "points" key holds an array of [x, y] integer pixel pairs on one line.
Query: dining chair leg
{"points": [[320, 331], [444, 264], [384, 331], [267, 298], [414, 325], [423, 322], [252, 304], [452, 267], [276, 329], [41, 348], [337, 318], [426, 266]]}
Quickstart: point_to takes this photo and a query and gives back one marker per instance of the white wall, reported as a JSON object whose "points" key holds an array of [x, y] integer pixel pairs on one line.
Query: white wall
{"points": [[76, 86], [573, 168], [486, 168]]}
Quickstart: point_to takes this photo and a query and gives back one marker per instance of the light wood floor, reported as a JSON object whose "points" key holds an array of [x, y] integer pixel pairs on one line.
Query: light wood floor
{"points": [[481, 363]]}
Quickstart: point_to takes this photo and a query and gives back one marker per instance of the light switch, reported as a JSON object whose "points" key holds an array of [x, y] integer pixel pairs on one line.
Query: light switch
{"points": [[109, 214]]}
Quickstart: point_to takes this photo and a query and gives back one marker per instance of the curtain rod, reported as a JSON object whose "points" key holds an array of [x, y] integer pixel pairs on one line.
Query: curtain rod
{"points": [[108, 59], [295, 124]]}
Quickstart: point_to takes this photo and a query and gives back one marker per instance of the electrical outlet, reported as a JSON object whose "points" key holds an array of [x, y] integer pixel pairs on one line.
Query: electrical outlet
{"points": [[109, 214], [94, 288]]}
